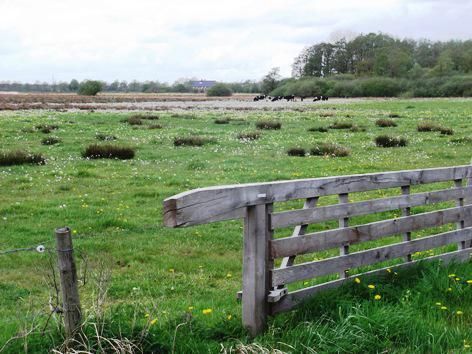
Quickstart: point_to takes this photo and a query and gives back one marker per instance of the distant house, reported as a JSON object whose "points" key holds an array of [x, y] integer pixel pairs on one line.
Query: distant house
{"points": [[202, 85]]}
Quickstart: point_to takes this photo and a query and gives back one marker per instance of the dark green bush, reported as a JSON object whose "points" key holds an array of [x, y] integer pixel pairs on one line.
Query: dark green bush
{"points": [[219, 90], [89, 88], [249, 136], [384, 123], [96, 151], [329, 149], [428, 127], [268, 125], [296, 152], [11, 158], [390, 141], [50, 140], [394, 115], [191, 141]]}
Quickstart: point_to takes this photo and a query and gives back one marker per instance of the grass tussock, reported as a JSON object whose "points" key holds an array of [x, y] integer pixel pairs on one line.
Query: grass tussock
{"points": [[296, 151], [249, 136], [145, 116], [191, 141], [446, 131], [385, 123], [222, 121], [427, 127], [133, 120], [104, 137], [96, 151], [462, 140], [19, 157], [387, 141], [268, 125], [329, 149], [318, 129], [341, 125], [51, 140], [154, 126], [394, 115], [46, 128]]}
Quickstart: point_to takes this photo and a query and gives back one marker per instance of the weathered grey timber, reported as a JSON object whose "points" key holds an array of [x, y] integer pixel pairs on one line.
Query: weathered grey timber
{"points": [[265, 289]]}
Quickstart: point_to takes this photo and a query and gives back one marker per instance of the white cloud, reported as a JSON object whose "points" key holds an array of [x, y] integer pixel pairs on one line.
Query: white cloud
{"points": [[223, 40]]}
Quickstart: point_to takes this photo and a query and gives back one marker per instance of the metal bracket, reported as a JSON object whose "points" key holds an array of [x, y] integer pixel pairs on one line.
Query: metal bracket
{"points": [[277, 294]]}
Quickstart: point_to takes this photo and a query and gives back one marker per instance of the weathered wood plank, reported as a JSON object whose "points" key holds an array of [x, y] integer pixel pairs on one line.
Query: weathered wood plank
{"points": [[256, 268], [322, 240], [337, 211], [406, 212], [212, 204], [294, 298], [380, 254], [343, 223]]}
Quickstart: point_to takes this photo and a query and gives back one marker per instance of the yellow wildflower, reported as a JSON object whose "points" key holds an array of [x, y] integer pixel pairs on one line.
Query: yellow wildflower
{"points": [[229, 317], [459, 313], [190, 308], [449, 289], [377, 297], [371, 286], [357, 280], [469, 281], [207, 311], [444, 308], [146, 315], [229, 275], [451, 275], [438, 304], [153, 322], [389, 270]]}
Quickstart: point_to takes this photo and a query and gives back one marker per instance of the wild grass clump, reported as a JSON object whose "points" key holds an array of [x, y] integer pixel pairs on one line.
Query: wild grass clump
{"points": [[394, 115], [356, 129], [222, 121], [191, 141], [154, 126], [462, 140], [268, 125], [249, 136], [296, 152], [318, 129], [427, 127], [95, 151], [385, 123], [18, 157], [341, 125], [183, 115], [133, 120], [329, 149], [446, 131], [46, 128], [51, 140], [104, 137], [145, 116], [387, 141]]}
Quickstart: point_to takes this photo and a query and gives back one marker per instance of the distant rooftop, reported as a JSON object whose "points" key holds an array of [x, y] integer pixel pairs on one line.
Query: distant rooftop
{"points": [[203, 84]]}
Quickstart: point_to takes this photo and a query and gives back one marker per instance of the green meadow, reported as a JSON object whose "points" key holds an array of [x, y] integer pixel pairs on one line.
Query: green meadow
{"points": [[149, 288]]}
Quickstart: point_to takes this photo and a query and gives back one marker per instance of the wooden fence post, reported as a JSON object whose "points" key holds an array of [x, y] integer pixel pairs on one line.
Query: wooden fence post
{"points": [[256, 268], [68, 275]]}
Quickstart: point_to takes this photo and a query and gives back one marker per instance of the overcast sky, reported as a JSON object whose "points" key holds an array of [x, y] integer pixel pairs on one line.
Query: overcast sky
{"points": [[210, 39]]}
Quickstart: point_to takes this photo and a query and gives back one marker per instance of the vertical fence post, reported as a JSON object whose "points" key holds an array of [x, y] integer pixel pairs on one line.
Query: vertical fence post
{"points": [[406, 212], [460, 224], [344, 222], [256, 268], [68, 275]]}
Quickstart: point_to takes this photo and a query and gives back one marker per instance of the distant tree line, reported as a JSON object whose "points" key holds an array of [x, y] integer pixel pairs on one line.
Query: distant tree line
{"points": [[182, 86]]}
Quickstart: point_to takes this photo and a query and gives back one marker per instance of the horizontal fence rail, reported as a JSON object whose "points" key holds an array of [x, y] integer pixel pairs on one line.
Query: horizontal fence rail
{"points": [[269, 261]]}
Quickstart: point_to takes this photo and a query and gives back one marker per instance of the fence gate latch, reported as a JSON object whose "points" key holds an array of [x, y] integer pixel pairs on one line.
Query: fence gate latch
{"points": [[276, 294]]}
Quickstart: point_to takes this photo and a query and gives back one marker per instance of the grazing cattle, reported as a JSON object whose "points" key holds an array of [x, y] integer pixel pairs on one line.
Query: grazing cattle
{"points": [[276, 98], [260, 97], [320, 98], [289, 98], [324, 98]]}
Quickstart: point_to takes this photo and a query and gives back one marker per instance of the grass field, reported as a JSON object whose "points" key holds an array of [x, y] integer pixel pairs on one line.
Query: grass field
{"points": [[156, 286]]}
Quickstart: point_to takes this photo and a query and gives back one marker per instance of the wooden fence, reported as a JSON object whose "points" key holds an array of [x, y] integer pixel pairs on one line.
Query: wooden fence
{"points": [[269, 261]]}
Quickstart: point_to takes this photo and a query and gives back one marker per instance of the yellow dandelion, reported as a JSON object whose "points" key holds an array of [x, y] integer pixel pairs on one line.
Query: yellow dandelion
{"points": [[229, 317], [207, 311], [459, 313], [357, 280], [371, 286], [438, 304], [172, 270], [153, 322], [444, 308], [74, 232], [457, 278], [449, 289], [190, 308], [305, 283], [389, 270], [469, 281], [229, 275], [146, 315], [451, 275], [377, 297]]}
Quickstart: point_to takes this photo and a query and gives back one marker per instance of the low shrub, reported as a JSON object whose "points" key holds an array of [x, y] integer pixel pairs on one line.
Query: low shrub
{"points": [[341, 125], [390, 141], [191, 141], [268, 125], [145, 116], [133, 120], [46, 128], [219, 90], [249, 136], [11, 158], [90, 87], [154, 126], [318, 129], [96, 151], [329, 149], [222, 121], [104, 137], [385, 123], [50, 140], [296, 152], [446, 131], [427, 127]]}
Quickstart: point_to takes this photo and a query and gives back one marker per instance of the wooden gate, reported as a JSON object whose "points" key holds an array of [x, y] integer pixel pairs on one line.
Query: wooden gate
{"points": [[269, 261]]}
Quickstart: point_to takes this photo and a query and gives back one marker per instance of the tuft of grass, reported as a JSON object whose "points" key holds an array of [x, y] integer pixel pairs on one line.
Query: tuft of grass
{"points": [[191, 141], [394, 115], [329, 149], [145, 116], [390, 141], [222, 121], [19, 157], [104, 137], [46, 128], [462, 140], [356, 129], [268, 125], [96, 151], [296, 152], [249, 136], [341, 125], [154, 126], [427, 127], [51, 140], [446, 131], [318, 129], [133, 120], [385, 123]]}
